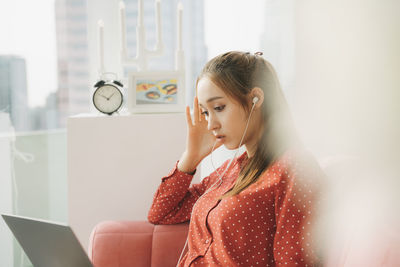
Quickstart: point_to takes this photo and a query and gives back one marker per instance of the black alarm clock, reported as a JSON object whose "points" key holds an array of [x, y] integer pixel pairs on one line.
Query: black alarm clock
{"points": [[108, 98]]}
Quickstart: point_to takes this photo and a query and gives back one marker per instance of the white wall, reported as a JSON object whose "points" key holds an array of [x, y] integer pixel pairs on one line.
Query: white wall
{"points": [[347, 65], [115, 165]]}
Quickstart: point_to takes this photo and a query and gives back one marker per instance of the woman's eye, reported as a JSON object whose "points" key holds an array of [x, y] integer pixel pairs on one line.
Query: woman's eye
{"points": [[219, 108], [205, 113]]}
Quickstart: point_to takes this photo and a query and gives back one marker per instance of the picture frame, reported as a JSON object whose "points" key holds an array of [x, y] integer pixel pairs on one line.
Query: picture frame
{"points": [[156, 92]]}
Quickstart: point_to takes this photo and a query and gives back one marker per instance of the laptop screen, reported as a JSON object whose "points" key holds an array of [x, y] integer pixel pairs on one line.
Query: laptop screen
{"points": [[46, 243]]}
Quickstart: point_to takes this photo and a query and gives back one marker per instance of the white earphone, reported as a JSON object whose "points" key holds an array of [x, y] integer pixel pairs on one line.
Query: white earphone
{"points": [[255, 100], [219, 181]]}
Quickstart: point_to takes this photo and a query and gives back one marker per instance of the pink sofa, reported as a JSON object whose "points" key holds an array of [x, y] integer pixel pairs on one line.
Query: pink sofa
{"points": [[136, 243], [140, 243]]}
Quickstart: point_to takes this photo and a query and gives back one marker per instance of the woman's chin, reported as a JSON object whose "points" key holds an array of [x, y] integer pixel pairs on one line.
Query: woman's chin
{"points": [[230, 146]]}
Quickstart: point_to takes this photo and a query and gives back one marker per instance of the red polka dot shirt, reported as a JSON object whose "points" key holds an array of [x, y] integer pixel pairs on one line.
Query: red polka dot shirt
{"points": [[267, 224]]}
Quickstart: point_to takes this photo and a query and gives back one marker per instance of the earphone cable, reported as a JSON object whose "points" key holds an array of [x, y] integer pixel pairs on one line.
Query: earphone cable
{"points": [[219, 178]]}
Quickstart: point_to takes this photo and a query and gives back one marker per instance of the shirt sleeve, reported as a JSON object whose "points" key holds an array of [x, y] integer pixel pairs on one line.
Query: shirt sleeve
{"points": [[296, 199], [175, 197]]}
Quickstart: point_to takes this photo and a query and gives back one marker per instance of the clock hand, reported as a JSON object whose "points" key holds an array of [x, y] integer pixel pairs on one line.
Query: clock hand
{"points": [[103, 96], [110, 96]]}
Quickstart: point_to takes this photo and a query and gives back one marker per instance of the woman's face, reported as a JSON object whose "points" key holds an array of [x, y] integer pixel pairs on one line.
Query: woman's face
{"points": [[226, 117]]}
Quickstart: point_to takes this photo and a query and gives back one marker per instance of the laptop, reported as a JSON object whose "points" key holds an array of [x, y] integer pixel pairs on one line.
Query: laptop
{"points": [[47, 244]]}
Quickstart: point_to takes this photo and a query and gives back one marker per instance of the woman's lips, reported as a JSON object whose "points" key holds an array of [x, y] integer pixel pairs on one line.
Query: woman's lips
{"points": [[220, 137]]}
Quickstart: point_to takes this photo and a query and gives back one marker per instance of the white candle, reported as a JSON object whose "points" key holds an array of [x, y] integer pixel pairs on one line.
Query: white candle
{"points": [[140, 13], [123, 25], [158, 18], [180, 10], [101, 44]]}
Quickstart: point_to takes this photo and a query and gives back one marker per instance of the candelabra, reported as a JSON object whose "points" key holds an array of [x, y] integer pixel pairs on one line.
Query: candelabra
{"points": [[142, 53], [148, 89]]}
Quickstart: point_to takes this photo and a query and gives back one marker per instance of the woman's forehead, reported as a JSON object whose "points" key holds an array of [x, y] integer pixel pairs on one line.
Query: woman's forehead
{"points": [[207, 91]]}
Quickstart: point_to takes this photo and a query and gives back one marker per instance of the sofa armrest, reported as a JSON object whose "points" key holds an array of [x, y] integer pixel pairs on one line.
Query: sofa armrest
{"points": [[136, 243]]}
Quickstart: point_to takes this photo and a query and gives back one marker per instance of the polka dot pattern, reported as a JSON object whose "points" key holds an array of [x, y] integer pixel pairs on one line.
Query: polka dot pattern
{"points": [[267, 224]]}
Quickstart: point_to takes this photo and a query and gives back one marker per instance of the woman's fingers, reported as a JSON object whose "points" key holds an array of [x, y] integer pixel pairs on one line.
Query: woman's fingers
{"points": [[196, 110], [188, 116], [203, 117]]}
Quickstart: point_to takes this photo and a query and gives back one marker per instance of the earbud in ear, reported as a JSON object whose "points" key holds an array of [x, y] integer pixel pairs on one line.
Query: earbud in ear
{"points": [[255, 100]]}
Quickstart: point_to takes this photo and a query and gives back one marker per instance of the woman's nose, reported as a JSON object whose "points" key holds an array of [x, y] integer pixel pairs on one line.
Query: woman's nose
{"points": [[213, 123]]}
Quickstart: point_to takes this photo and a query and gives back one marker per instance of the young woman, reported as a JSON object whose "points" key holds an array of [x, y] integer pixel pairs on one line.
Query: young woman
{"points": [[256, 209]]}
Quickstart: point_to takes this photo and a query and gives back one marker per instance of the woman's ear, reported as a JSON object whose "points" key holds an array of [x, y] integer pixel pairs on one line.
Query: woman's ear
{"points": [[259, 93]]}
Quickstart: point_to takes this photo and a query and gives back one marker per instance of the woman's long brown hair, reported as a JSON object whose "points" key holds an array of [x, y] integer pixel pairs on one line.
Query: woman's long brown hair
{"points": [[237, 73]]}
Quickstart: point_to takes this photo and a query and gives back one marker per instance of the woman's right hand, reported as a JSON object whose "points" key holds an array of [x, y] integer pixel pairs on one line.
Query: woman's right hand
{"points": [[199, 140]]}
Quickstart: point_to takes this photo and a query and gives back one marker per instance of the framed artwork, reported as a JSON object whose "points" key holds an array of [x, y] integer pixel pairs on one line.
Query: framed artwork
{"points": [[156, 91]]}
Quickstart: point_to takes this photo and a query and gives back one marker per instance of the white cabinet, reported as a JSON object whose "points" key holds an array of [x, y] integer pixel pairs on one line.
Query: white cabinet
{"points": [[115, 164]]}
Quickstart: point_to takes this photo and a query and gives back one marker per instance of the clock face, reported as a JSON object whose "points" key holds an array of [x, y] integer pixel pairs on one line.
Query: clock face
{"points": [[107, 98]]}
